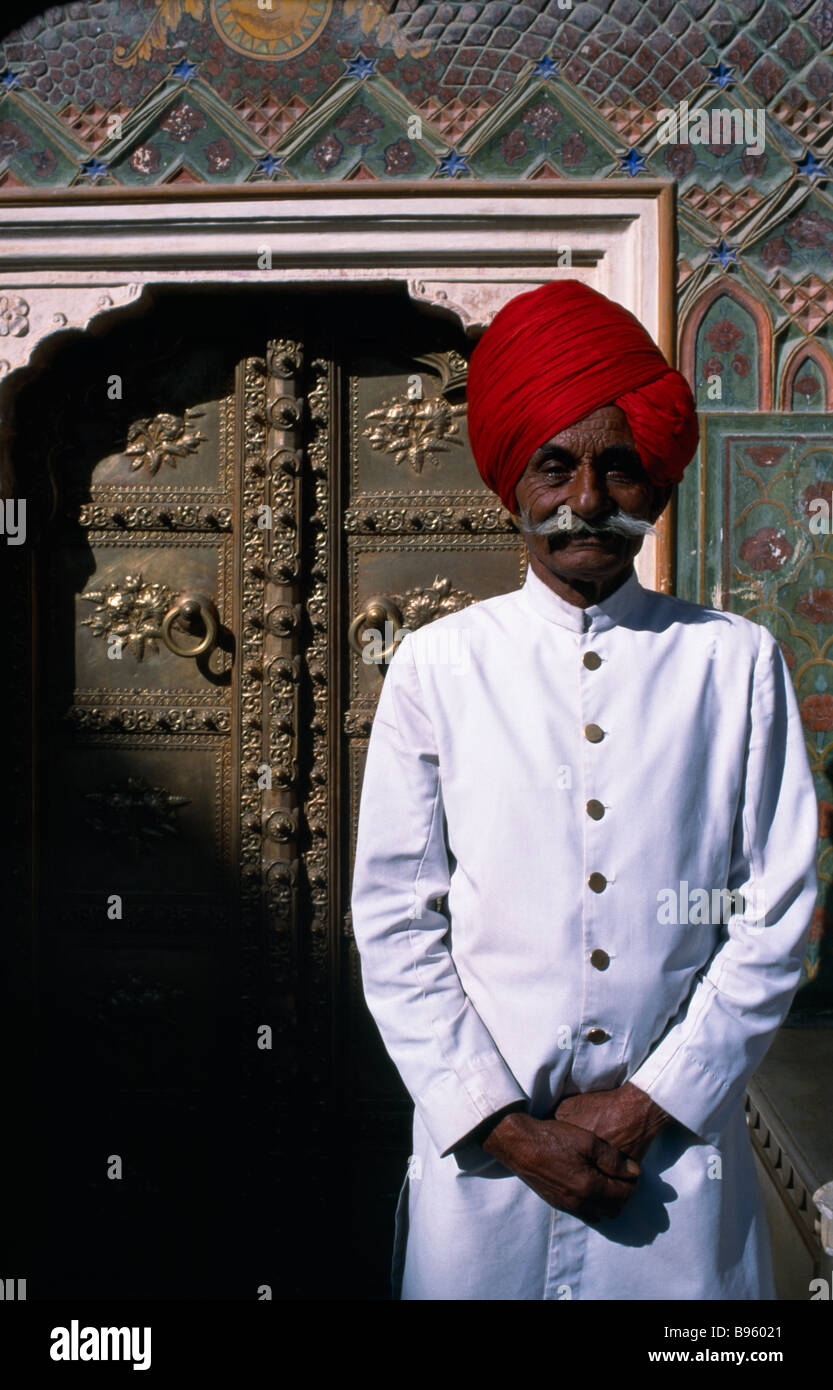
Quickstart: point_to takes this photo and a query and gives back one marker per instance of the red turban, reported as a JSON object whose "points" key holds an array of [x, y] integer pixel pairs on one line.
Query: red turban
{"points": [[552, 356]]}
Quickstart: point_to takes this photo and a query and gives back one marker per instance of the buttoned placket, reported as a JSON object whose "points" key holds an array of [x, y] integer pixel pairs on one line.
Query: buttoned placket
{"points": [[590, 627], [598, 878], [567, 1235]]}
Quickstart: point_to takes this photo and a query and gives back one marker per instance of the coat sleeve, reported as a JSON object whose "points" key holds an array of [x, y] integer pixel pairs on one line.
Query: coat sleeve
{"points": [[699, 1068], [446, 1057]]}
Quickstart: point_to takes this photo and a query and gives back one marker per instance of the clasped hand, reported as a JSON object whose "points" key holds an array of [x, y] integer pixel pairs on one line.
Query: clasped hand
{"points": [[583, 1159]]}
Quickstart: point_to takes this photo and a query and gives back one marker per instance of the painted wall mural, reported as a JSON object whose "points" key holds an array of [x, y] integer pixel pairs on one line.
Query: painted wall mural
{"points": [[734, 102]]}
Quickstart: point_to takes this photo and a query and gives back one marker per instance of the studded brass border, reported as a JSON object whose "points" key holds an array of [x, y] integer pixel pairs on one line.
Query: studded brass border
{"points": [[468, 511], [323, 689]]}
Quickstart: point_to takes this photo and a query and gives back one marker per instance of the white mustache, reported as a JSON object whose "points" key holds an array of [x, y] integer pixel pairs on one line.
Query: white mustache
{"points": [[619, 523]]}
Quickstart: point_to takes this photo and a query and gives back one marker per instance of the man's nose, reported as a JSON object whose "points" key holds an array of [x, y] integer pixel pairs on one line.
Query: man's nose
{"points": [[589, 493]]}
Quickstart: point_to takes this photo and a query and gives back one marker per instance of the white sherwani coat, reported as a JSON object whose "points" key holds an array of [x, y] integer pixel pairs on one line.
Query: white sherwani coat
{"points": [[496, 972]]}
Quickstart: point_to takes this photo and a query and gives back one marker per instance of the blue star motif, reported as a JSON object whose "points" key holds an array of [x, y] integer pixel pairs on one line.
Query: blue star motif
{"points": [[9, 80], [545, 67], [453, 164], [184, 70], [723, 253], [361, 67], [632, 164], [269, 164], [812, 168], [721, 75], [95, 169]]}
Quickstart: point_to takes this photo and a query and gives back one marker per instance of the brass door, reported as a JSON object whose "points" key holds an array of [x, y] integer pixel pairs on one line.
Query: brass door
{"points": [[227, 494]]}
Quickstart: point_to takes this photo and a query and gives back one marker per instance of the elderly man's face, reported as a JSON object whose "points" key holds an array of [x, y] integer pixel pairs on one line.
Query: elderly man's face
{"points": [[594, 469]]}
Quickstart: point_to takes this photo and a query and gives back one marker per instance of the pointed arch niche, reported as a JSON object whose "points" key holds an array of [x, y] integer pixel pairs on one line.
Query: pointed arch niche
{"points": [[807, 379], [729, 335], [70, 256]]}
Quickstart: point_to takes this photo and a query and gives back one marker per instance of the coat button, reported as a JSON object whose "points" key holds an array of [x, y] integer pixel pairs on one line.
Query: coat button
{"points": [[597, 1035], [599, 959], [595, 809], [593, 733], [597, 882], [592, 660]]}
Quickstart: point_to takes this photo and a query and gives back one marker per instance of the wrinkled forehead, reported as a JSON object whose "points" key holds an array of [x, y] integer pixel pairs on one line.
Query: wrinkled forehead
{"points": [[604, 428]]}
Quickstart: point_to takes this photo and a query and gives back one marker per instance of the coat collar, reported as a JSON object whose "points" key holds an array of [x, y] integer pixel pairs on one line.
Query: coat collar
{"points": [[598, 617]]}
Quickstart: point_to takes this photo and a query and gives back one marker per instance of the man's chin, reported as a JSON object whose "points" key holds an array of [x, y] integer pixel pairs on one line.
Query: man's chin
{"points": [[588, 562]]}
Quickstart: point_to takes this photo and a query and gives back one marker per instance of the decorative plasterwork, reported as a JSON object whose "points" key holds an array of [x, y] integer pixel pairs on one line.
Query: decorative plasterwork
{"points": [[69, 255], [29, 316]]}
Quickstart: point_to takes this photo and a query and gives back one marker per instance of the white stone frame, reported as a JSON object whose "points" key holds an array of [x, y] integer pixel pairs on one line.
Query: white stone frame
{"points": [[68, 256]]}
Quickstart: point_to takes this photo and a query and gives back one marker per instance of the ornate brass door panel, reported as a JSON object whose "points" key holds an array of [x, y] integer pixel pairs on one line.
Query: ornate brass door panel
{"points": [[165, 817], [219, 493]]}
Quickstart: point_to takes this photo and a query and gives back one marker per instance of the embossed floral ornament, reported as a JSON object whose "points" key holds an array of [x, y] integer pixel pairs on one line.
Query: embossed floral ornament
{"points": [[136, 812], [14, 316], [422, 605], [413, 431], [130, 610], [164, 439], [766, 549]]}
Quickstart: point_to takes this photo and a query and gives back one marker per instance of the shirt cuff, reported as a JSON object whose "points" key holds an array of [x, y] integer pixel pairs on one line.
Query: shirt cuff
{"points": [[688, 1092], [454, 1106]]}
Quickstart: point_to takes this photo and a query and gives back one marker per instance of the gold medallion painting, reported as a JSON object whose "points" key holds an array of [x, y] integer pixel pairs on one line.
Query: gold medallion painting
{"points": [[275, 31]]}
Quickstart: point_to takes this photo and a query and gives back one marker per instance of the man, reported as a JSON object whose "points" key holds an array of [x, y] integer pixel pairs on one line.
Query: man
{"points": [[585, 862]]}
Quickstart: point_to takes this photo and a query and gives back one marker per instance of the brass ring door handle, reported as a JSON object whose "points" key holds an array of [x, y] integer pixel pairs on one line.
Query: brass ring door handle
{"points": [[377, 612], [190, 606]]}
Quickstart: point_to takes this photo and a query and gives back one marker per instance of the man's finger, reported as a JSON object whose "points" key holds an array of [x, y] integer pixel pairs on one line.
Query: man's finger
{"points": [[613, 1163]]}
